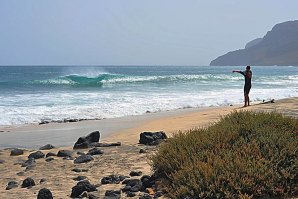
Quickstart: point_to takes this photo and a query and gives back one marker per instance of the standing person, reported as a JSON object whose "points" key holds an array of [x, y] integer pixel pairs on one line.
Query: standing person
{"points": [[247, 74]]}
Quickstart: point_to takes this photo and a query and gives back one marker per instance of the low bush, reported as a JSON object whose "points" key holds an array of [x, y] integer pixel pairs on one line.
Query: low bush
{"points": [[244, 155]]}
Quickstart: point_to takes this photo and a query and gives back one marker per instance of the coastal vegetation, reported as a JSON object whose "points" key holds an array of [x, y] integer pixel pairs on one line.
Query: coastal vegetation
{"points": [[243, 155]]}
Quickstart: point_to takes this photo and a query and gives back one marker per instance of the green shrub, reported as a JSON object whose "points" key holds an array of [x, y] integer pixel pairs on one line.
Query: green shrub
{"points": [[244, 155]]}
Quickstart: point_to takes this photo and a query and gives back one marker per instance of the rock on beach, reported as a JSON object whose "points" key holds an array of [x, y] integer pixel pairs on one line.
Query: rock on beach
{"points": [[86, 141], [83, 159], [152, 138], [44, 193], [15, 152]]}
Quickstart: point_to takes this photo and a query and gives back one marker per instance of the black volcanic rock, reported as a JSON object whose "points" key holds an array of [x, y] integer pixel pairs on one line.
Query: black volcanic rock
{"points": [[64, 153], [15, 152], [46, 147], [29, 162], [112, 179], [28, 182], [77, 170], [142, 151], [135, 173], [152, 138], [95, 151], [86, 141], [36, 155], [112, 194], [51, 154], [49, 159], [81, 187], [44, 193], [96, 144], [80, 178], [11, 185], [278, 47], [83, 159]]}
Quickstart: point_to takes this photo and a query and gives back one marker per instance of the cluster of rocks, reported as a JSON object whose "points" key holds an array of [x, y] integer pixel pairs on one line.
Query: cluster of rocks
{"points": [[28, 183], [133, 185], [145, 187], [82, 188], [65, 120]]}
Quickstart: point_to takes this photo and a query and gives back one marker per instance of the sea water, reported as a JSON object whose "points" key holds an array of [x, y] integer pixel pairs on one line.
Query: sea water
{"points": [[32, 94]]}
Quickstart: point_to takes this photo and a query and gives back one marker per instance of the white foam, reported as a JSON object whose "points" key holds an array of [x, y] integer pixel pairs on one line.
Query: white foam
{"points": [[180, 91]]}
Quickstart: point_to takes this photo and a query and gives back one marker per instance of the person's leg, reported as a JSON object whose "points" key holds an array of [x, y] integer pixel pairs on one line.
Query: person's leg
{"points": [[247, 95], [245, 99]]}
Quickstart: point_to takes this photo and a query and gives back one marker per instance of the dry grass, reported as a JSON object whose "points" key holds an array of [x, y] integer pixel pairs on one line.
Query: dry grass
{"points": [[244, 155]]}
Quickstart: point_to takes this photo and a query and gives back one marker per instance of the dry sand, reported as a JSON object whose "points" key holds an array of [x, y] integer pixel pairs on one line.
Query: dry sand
{"points": [[115, 160]]}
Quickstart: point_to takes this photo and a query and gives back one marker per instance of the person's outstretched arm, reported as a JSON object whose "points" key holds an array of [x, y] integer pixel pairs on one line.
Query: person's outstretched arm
{"points": [[238, 71]]}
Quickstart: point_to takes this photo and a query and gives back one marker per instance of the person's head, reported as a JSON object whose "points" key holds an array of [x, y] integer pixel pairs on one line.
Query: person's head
{"points": [[247, 67]]}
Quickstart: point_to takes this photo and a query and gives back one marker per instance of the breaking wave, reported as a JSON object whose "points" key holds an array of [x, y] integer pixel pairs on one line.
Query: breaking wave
{"points": [[105, 79]]}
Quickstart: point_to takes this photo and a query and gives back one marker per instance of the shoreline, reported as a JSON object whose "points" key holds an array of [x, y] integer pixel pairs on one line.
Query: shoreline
{"points": [[66, 134], [60, 175]]}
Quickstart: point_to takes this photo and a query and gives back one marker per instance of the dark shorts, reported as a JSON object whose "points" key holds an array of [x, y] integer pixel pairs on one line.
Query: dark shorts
{"points": [[246, 89]]}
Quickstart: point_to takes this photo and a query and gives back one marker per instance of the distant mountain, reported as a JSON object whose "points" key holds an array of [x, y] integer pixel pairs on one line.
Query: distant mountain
{"points": [[253, 42], [278, 47]]}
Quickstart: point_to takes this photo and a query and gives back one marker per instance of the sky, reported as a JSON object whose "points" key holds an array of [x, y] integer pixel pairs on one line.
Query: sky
{"points": [[133, 32]]}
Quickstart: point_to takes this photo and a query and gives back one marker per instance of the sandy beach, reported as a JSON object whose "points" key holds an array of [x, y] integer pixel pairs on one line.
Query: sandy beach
{"points": [[58, 174]]}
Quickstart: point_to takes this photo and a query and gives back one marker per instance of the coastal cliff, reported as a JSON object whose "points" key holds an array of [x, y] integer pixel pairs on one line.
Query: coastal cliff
{"points": [[278, 47]]}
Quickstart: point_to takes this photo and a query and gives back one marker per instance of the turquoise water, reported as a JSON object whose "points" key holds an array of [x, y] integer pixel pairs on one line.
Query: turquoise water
{"points": [[31, 94]]}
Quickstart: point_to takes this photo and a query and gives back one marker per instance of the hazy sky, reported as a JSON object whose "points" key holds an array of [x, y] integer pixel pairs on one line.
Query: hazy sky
{"points": [[133, 32]]}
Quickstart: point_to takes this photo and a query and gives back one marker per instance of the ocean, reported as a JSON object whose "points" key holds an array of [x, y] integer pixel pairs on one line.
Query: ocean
{"points": [[34, 94]]}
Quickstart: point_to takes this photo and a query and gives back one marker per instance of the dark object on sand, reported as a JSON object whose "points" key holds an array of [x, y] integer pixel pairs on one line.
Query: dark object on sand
{"points": [[15, 152], [77, 170], [30, 167], [152, 138], [51, 154], [21, 173], [112, 179], [29, 162], [143, 151], [105, 144], [269, 101], [49, 159], [86, 141], [44, 193], [81, 187], [28, 182], [95, 151], [91, 196], [11, 185], [46, 147], [64, 153], [83, 159], [80, 178], [115, 194], [132, 185], [147, 181], [2, 161], [36, 155], [135, 173]]}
